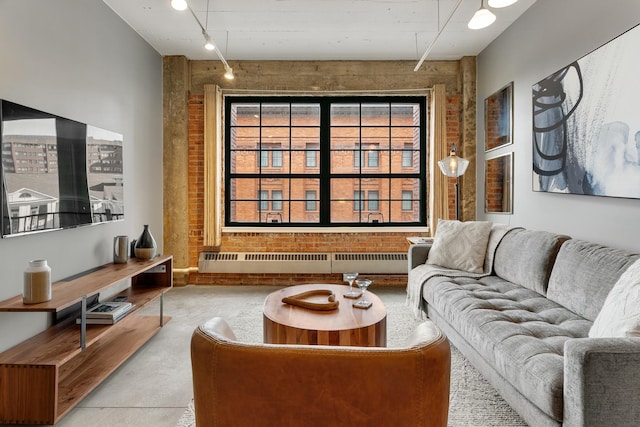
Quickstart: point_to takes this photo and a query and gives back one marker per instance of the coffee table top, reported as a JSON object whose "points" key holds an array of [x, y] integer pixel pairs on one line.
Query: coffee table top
{"points": [[345, 317]]}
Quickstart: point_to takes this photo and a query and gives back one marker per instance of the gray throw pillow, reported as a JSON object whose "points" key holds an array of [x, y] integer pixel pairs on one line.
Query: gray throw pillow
{"points": [[620, 314], [460, 245]]}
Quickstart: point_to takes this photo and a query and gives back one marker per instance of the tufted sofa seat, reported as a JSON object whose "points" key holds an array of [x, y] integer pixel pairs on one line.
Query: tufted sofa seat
{"points": [[524, 323], [520, 332]]}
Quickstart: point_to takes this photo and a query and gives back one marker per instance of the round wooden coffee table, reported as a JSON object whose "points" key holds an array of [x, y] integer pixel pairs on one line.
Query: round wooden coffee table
{"points": [[347, 325]]}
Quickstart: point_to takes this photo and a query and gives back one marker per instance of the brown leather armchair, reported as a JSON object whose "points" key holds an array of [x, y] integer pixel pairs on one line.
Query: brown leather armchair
{"points": [[241, 384]]}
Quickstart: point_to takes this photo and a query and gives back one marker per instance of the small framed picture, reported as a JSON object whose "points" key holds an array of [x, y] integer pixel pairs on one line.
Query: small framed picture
{"points": [[498, 184], [498, 118]]}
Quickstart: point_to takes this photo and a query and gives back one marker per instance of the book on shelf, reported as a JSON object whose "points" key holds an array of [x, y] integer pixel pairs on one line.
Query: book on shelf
{"points": [[106, 320], [108, 309]]}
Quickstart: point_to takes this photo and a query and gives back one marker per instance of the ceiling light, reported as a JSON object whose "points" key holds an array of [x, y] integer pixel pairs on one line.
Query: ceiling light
{"points": [[208, 44], [179, 4], [500, 3], [228, 74], [482, 18]]}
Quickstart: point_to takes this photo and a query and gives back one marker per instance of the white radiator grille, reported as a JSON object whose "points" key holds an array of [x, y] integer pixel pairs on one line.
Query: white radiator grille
{"points": [[304, 263], [381, 263], [219, 256]]}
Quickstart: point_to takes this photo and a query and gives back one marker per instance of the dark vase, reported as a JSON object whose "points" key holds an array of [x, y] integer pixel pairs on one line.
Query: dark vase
{"points": [[145, 245]]}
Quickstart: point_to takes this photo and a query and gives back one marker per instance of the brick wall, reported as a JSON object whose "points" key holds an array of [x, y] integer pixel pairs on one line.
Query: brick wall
{"points": [[284, 242], [453, 137]]}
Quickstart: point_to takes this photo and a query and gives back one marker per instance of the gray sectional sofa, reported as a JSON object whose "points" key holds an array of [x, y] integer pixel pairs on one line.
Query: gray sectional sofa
{"points": [[524, 323]]}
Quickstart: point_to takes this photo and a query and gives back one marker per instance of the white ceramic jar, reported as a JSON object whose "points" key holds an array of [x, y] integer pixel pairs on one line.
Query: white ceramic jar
{"points": [[37, 282]]}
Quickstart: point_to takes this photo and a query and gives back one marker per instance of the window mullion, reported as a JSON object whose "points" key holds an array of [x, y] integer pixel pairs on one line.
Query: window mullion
{"points": [[324, 209], [361, 156]]}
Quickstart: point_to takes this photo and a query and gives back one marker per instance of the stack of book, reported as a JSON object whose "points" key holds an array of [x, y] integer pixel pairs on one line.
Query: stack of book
{"points": [[107, 313]]}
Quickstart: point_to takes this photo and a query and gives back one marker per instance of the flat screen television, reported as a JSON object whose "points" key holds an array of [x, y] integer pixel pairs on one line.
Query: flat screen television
{"points": [[57, 173]]}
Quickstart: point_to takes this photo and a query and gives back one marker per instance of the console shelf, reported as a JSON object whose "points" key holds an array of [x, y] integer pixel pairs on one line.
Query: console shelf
{"points": [[44, 377]]}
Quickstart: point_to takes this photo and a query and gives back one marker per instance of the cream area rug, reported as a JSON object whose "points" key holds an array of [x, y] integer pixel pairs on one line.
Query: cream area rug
{"points": [[473, 401]]}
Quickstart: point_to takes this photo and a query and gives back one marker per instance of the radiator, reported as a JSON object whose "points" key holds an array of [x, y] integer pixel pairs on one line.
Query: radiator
{"points": [[304, 263], [377, 263]]}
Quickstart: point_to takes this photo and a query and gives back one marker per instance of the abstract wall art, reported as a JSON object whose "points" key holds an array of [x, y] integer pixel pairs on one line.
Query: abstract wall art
{"points": [[586, 123]]}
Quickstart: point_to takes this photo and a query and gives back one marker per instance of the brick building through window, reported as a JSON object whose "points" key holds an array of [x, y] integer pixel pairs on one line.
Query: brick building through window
{"points": [[325, 161]]}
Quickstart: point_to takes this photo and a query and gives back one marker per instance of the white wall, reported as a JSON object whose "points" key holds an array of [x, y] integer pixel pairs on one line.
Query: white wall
{"points": [[79, 60], [548, 36]]}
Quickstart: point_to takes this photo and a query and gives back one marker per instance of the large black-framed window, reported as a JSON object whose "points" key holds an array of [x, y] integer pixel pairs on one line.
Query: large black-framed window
{"points": [[316, 160]]}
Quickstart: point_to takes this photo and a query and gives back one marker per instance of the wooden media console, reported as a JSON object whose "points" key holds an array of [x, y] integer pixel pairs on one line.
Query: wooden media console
{"points": [[45, 376]]}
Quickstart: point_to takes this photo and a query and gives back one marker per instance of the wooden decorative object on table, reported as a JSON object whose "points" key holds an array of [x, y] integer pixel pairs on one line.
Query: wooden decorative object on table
{"points": [[299, 300]]}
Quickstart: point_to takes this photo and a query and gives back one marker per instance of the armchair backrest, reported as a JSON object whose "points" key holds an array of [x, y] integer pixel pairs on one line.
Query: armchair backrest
{"points": [[242, 384]]}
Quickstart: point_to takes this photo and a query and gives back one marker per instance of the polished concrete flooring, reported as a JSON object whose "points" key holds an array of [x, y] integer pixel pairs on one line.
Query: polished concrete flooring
{"points": [[154, 387]]}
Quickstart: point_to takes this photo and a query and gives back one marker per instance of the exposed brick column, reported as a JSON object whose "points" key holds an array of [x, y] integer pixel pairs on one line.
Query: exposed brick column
{"points": [[468, 137]]}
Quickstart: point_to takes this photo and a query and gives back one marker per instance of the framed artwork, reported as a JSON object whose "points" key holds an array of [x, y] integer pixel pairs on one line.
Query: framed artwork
{"points": [[498, 118], [498, 184], [586, 123]]}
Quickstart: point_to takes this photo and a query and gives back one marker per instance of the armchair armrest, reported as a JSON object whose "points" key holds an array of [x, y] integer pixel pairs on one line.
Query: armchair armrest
{"points": [[217, 326], [424, 334], [418, 254], [601, 382]]}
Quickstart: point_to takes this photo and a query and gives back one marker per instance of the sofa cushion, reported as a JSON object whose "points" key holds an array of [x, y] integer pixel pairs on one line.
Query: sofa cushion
{"points": [[516, 330], [498, 231], [526, 257], [620, 314], [460, 245], [420, 275], [584, 273]]}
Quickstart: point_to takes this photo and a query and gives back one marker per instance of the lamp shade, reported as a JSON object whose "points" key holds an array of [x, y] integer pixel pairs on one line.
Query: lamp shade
{"points": [[453, 166], [481, 19], [497, 4]]}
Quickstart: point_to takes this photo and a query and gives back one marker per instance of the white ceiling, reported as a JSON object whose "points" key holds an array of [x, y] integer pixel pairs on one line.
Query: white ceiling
{"points": [[315, 29]]}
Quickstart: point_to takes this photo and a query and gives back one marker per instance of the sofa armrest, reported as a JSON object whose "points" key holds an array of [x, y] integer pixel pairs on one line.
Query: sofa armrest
{"points": [[601, 382], [418, 254]]}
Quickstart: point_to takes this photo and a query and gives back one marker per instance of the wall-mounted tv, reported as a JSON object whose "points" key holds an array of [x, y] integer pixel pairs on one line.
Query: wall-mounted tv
{"points": [[56, 173]]}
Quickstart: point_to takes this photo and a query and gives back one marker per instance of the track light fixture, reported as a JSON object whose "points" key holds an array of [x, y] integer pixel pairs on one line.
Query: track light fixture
{"points": [[228, 74], [208, 42], [482, 18]]}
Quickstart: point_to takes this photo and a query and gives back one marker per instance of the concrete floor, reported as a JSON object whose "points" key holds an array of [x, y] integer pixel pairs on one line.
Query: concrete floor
{"points": [[153, 388]]}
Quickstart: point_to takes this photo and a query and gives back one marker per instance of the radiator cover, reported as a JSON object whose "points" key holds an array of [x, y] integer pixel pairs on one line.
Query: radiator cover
{"points": [[303, 263]]}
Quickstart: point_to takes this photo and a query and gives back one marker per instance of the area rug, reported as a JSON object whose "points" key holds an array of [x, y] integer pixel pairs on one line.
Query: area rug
{"points": [[473, 401]]}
